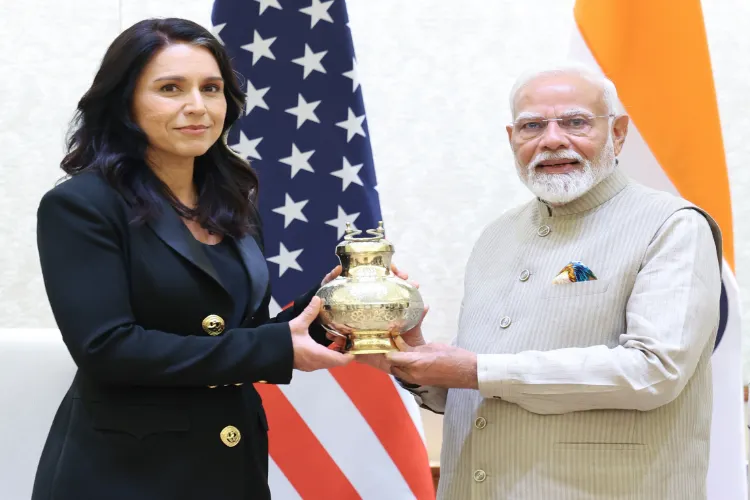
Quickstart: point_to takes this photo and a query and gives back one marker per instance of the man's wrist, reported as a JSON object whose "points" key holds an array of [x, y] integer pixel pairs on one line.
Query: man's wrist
{"points": [[471, 374]]}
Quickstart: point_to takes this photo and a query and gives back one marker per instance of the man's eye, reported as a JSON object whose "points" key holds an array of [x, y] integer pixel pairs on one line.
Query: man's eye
{"points": [[532, 125]]}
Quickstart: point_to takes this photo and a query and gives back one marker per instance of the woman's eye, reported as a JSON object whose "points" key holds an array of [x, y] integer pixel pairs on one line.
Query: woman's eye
{"points": [[213, 88], [170, 87]]}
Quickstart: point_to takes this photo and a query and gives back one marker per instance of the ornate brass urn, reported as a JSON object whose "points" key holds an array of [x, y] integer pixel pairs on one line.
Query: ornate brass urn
{"points": [[367, 304]]}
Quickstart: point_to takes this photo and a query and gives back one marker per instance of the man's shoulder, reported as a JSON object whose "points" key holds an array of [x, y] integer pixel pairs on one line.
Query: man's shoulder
{"points": [[638, 194], [510, 217]]}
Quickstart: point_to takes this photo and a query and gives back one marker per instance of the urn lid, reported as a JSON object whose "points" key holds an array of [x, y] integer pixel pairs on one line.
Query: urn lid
{"points": [[374, 244]]}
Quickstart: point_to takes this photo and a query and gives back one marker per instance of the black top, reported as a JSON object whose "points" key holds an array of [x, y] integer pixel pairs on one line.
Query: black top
{"points": [[228, 263], [153, 390]]}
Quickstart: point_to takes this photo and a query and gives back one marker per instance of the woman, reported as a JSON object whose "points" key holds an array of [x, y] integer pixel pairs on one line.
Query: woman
{"points": [[152, 262]]}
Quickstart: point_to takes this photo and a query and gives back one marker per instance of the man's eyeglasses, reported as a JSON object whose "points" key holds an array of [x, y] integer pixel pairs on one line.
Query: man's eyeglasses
{"points": [[577, 125]]}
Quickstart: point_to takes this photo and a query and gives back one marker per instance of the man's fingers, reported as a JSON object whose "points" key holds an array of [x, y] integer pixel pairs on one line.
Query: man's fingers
{"points": [[404, 276], [401, 344], [424, 313], [402, 358], [374, 360]]}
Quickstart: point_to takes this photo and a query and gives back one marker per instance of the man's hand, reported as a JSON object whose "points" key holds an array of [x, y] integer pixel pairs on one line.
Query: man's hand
{"points": [[411, 338], [439, 365]]}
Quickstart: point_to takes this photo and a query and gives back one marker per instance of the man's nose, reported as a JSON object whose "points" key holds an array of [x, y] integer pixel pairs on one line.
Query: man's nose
{"points": [[553, 137]]}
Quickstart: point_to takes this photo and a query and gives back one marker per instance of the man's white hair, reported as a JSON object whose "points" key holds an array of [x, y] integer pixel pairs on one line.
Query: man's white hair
{"points": [[569, 68]]}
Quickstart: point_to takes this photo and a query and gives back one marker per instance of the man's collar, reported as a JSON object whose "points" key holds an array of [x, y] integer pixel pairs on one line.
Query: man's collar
{"points": [[601, 193]]}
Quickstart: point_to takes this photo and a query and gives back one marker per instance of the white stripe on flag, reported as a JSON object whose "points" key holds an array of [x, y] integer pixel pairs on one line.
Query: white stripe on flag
{"points": [[726, 465], [346, 436], [280, 485], [412, 408]]}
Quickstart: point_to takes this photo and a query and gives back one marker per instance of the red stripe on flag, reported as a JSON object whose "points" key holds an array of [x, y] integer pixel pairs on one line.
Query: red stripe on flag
{"points": [[299, 454], [377, 399]]}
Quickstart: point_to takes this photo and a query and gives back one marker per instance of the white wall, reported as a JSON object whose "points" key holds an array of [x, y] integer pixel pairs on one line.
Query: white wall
{"points": [[435, 75]]}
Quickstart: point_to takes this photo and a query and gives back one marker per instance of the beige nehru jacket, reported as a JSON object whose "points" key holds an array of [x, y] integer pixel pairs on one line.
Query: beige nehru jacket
{"points": [[596, 389]]}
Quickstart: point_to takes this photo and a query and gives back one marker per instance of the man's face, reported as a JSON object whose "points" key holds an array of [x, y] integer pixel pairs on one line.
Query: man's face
{"points": [[560, 161]]}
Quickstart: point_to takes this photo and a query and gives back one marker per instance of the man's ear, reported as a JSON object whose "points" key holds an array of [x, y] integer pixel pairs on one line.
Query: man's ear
{"points": [[619, 132]]}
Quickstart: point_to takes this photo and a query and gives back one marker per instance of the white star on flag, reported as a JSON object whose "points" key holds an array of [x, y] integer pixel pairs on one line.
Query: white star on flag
{"points": [[298, 160], [264, 4], [274, 308], [255, 97], [247, 147], [215, 30], [260, 47], [352, 125], [318, 11], [304, 111], [348, 174], [292, 210], [340, 222], [286, 259], [352, 74], [311, 61]]}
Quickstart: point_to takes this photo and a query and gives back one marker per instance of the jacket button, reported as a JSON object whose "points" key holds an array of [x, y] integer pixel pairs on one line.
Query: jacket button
{"points": [[262, 381], [239, 384], [212, 386], [524, 276], [543, 231], [230, 436], [213, 324], [505, 322], [480, 423], [479, 475]]}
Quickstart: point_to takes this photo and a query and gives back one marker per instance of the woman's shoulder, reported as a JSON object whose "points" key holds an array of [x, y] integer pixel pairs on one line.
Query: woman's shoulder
{"points": [[88, 190]]}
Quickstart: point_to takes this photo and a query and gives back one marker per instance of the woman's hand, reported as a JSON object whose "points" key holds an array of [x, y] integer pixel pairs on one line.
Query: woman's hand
{"points": [[308, 354], [335, 272]]}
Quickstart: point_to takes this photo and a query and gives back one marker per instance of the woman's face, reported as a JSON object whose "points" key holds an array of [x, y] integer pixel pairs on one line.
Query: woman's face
{"points": [[179, 102]]}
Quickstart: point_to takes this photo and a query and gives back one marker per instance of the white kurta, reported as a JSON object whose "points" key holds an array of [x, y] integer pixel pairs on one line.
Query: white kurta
{"points": [[596, 389]]}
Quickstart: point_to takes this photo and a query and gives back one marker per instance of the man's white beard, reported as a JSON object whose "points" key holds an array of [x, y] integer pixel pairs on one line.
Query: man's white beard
{"points": [[564, 188]]}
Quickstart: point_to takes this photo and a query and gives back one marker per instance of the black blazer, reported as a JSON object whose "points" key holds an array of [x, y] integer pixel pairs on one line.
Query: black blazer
{"points": [[162, 405]]}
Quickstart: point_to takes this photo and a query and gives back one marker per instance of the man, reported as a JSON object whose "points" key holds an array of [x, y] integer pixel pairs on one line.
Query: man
{"points": [[581, 365]]}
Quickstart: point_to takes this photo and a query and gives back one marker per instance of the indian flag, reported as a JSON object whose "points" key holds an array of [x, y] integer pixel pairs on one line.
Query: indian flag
{"points": [[657, 55]]}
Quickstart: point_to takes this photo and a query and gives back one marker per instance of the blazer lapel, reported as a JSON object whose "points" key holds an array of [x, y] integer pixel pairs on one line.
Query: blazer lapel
{"points": [[172, 231], [257, 269]]}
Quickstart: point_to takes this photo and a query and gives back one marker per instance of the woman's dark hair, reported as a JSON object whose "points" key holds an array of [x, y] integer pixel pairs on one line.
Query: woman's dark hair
{"points": [[104, 136]]}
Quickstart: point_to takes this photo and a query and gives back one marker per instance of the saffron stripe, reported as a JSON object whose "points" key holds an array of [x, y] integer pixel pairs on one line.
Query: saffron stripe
{"points": [[647, 53]]}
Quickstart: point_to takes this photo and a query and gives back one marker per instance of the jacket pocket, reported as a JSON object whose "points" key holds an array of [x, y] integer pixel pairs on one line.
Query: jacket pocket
{"points": [[576, 289], [139, 421], [606, 447], [600, 470]]}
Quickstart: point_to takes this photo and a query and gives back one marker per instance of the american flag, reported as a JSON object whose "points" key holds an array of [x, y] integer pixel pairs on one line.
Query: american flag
{"points": [[351, 432]]}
